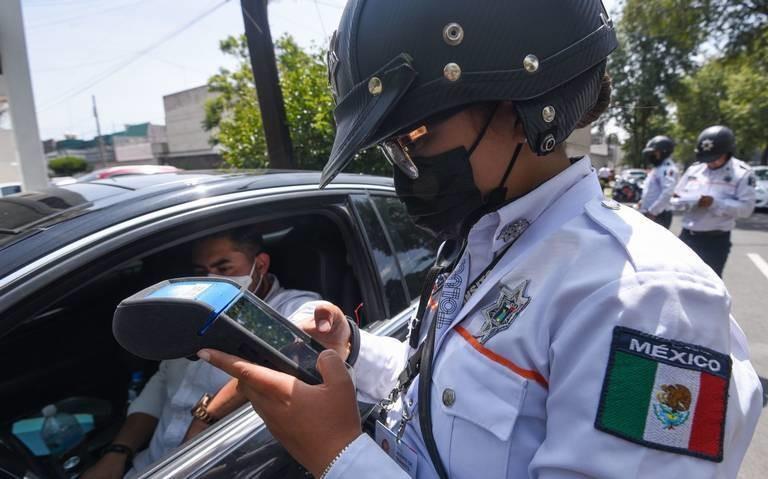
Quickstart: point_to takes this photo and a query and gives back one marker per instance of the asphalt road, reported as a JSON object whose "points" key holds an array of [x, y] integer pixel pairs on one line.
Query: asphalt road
{"points": [[748, 286]]}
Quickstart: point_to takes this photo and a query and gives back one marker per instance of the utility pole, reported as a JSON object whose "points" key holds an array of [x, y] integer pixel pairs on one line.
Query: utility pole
{"points": [[102, 153], [268, 93]]}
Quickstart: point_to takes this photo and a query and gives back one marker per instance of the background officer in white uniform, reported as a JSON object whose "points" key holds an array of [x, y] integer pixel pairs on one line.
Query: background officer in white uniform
{"points": [[713, 193], [661, 181], [570, 336]]}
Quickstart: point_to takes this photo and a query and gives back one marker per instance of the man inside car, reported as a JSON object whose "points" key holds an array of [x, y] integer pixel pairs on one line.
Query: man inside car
{"points": [[184, 397]]}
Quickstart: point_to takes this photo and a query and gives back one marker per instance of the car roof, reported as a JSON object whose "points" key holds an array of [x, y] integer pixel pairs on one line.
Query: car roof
{"points": [[33, 223]]}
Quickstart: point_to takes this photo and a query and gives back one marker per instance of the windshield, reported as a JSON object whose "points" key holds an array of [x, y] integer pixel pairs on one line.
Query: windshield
{"points": [[762, 174]]}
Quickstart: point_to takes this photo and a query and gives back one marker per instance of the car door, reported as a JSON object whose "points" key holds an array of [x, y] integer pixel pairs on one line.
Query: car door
{"points": [[31, 292], [401, 255]]}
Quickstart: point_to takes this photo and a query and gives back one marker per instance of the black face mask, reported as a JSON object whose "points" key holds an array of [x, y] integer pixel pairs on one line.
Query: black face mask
{"points": [[443, 194], [444, 198]]}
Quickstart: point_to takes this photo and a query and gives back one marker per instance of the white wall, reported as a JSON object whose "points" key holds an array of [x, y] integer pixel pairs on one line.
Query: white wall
{"points": [[9, 160], [578, 143], [184, 115]]}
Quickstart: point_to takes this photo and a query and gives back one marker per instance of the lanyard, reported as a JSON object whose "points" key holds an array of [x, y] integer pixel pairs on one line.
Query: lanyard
{"points": [[421, 360]]}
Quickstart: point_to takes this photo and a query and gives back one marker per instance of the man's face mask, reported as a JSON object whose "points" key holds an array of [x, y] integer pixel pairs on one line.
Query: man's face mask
{"points": [[244, 281]]}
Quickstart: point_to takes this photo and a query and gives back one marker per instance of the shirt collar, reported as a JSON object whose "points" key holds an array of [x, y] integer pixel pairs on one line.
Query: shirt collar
{"points": [[274, 290], [510, 221]]}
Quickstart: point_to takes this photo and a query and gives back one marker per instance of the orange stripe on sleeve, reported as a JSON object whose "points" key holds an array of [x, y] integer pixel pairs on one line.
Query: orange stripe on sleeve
{"points": [[526, 373]]}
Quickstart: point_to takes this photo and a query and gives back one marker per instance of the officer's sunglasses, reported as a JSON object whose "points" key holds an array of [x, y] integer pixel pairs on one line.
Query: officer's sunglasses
{"points": [[398, 150]]}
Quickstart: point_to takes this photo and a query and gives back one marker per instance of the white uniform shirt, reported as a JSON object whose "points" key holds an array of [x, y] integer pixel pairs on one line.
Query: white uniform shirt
{"points": [[659, 187], [525, 402], [732, 186], [178, 385]]}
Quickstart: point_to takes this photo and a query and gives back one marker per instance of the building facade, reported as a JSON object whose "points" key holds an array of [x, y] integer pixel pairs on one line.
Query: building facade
{"points": [[189, 144]]}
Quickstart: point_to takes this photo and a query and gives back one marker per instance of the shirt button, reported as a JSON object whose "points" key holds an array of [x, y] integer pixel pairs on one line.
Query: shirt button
{"points": [[410, 402], [449, 397]]}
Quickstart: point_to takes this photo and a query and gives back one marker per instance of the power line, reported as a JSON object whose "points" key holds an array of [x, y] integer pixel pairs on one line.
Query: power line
{"points": [[111, 71], [320, 17], [89, 13]]}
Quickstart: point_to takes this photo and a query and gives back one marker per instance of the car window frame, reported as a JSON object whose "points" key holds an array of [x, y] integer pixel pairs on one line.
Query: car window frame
{"points": [[43, 274]]}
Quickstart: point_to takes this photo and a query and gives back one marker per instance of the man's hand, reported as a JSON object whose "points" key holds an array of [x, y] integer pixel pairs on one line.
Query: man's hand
{"points": [[705, 201], [650, 216], [314, 423], [326, 324], [111, 466]]}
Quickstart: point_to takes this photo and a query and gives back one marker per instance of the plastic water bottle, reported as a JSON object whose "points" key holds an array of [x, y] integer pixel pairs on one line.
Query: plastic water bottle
{"points": [[134, 387], [61, 432]]}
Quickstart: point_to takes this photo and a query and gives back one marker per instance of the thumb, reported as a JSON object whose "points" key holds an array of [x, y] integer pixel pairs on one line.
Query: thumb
{"points": [[326, 315], [332, 368]]}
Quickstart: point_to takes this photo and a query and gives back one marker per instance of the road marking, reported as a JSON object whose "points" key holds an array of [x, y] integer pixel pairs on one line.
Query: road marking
{"points": [[759, 263]]}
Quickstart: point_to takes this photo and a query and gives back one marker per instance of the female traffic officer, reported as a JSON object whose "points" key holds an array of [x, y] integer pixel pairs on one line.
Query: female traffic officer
{"points": [[563, 335]]}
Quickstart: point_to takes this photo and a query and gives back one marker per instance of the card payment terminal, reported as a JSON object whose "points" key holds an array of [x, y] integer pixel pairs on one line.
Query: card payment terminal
{"points": [[178, 317]]}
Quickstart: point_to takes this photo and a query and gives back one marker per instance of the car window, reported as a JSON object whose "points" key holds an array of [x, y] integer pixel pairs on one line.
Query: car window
{"points": [[396, 297], [762, 174], [415, 248]]}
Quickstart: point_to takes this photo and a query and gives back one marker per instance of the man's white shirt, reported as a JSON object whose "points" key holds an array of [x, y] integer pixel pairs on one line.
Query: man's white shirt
{"points": [[178, 385], [732, 186], [659, 188]]}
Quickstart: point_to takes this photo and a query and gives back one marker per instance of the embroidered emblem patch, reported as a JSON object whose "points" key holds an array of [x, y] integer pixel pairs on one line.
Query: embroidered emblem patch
{"points": [[513, 230], [665, 394], [707, 145], [501, 314]]}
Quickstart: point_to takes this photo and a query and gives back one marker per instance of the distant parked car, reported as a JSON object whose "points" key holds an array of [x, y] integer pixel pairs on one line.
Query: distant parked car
{"points": [[7, 189], [761, 188], [127, 170], [63, 180], [634, 175]]}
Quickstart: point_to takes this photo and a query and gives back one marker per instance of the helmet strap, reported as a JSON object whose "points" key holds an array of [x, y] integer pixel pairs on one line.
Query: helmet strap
{"points": [[499, 195]]}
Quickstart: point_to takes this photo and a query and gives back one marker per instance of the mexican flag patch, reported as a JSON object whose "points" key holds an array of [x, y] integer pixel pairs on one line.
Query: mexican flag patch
{"points": [[665, 394]]}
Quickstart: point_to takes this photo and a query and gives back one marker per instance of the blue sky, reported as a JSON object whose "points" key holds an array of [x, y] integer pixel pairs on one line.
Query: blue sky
{"points": [[79, 48]]}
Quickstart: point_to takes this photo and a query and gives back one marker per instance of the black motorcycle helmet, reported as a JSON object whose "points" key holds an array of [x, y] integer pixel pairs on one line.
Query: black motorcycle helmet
{"points": [[715, 142], [394, 63], [663, 144]]}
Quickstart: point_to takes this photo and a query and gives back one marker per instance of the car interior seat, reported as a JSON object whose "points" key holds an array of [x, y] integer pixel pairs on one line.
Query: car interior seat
{"points": [[314, 258]]}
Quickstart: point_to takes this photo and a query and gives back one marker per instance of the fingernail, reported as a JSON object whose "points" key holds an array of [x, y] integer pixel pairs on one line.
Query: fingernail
{"points": [[204, 355], [324, 326]]}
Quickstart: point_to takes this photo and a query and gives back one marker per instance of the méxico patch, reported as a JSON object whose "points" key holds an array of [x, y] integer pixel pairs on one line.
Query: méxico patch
{"points": [[665, 394]]}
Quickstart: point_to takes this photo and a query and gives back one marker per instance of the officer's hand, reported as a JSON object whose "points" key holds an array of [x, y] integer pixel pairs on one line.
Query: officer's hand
{"points": [[326, 323], [706, 201], [650, 216], [314, 423]]}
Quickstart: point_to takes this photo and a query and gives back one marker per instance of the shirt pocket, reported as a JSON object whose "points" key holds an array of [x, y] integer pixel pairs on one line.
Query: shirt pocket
{"points": [[480, 402]]}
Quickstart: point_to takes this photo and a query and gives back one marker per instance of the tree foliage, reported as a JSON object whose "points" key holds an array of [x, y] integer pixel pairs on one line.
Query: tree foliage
{"points": [[688, 64], [656, 48], [234, 119], [67, 165]]}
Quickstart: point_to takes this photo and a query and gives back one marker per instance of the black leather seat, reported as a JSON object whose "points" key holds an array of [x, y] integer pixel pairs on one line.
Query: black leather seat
{"points": [[316, 263]]}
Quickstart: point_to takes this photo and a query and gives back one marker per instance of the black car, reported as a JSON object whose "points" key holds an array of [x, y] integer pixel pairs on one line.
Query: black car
{"points": [[68, 255]]}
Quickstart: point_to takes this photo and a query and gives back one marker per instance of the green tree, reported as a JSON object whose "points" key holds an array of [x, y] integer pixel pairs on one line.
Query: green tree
{"points": [[67, 165], [234, 120], [656, 49], [733, 91]]}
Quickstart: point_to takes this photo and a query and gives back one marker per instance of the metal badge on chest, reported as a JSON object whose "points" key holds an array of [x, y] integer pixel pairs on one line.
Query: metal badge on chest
{"points": [[500, 315]]}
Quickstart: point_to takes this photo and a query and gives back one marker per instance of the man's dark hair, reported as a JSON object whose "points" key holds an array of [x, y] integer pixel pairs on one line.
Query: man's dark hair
{"points": [[245, 238]]}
